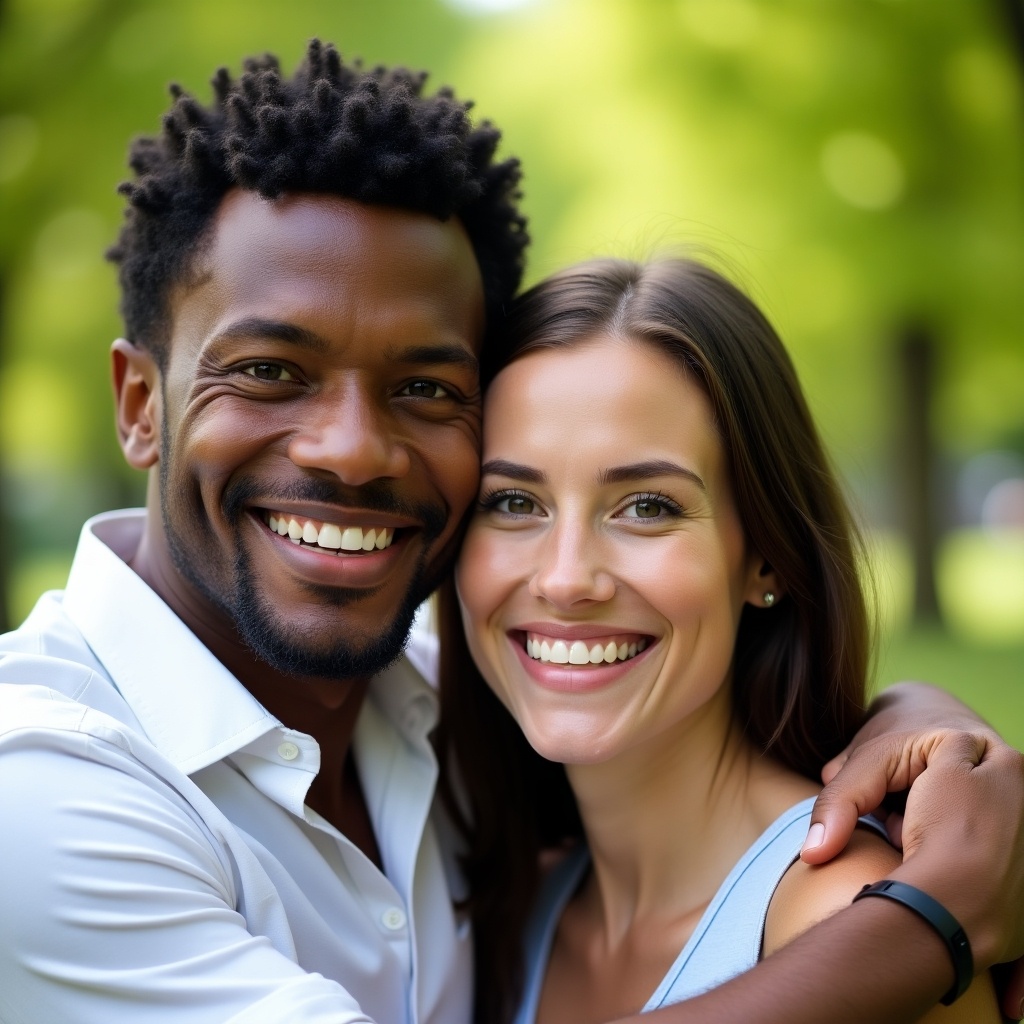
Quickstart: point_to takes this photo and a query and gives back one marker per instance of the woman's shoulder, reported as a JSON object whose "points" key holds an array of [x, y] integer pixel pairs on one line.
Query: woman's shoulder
{"points": [[809, 893]]}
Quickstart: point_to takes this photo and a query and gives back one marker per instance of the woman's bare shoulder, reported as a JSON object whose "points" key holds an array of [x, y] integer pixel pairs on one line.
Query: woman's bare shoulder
{"points": [[808, 894]]}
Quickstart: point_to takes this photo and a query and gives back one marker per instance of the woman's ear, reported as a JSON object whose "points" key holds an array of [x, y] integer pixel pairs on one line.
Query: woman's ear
{"points": [[764, 586], [137, 397]]}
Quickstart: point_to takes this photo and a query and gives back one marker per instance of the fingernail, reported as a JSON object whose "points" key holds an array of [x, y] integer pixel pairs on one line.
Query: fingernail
{"points": [[815, 837], [1020, 1010]]}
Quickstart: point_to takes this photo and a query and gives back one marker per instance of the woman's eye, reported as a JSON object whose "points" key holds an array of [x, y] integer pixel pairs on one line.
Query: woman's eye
{"points": [[269, 371], [516, 505], [424, 389], [651, 508], [647, 509]]}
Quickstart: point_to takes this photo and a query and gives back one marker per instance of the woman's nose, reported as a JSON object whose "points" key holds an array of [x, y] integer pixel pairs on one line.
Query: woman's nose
{"points": [[570, 568]]}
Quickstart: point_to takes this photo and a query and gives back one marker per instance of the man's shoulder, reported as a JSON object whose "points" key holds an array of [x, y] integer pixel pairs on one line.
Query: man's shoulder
{"points": [[47, 669], [48, 631]]}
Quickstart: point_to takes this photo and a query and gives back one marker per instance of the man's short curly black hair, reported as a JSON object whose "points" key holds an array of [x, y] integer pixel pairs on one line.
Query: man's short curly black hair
{"points": [[371, 136]]}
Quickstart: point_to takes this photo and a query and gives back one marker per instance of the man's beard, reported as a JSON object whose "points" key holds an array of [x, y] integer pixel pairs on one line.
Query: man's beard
{"points": [[289, 649]]}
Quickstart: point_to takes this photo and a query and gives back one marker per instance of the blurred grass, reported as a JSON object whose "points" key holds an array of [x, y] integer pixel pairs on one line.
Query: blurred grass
{"points": [[988, 678], [979, 656]]}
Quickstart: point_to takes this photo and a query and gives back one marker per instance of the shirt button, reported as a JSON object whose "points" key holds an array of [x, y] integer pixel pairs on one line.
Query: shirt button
{"points": [[393, 919], [288, 751]]}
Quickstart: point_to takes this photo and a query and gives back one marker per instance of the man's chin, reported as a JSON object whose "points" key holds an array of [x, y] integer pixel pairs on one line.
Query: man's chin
{"points": [[296, 651]]}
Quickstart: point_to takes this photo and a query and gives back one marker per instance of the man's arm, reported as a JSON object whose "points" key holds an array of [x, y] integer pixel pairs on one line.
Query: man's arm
{"points": [[867, 963], [922, 738], [963, 837]]}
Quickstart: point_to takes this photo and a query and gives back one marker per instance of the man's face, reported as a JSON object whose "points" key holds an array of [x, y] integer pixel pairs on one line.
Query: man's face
{"points": [[321, 423]]}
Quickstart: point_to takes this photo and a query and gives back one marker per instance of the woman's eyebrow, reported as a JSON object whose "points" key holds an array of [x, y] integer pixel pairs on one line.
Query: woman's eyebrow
{"points": [[642, 470], [513, 470]]}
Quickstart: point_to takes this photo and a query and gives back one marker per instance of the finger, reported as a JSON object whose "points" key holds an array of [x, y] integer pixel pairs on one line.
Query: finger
{"points": [[1013, 994], [948, 786], [859, 787], [833, 767], [894, 829]]}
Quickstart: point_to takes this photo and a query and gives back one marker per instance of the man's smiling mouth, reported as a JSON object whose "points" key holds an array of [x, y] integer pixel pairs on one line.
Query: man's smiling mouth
{"points": [[330, 537]]}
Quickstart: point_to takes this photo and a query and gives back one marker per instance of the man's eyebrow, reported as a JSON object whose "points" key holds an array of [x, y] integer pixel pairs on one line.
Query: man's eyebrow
{"points": [[513, 470], [655, 467], [448, 355], [278, 330]]}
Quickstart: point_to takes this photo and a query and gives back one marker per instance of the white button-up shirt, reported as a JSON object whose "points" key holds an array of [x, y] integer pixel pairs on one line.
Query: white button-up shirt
{"points": [[157, 859]]}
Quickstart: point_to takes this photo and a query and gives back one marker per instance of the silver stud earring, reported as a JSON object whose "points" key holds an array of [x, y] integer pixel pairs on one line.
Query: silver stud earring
{"points": [[768, 598]]}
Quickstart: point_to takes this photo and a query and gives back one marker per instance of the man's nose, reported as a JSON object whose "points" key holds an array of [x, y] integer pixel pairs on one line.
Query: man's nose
{"points": [[351, 435], [570, 570]]}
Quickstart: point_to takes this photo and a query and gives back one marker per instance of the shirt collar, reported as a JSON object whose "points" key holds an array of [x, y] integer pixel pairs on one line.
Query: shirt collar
{"points": [[165, 674]]}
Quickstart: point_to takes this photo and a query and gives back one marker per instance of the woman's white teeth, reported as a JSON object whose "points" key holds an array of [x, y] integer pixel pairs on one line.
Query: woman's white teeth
{"points": [[330, 536], [579, 652]]}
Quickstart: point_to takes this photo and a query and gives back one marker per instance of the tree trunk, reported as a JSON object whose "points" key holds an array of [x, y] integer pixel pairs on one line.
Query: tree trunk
{"points": [[1013, 11], [917, 370]]}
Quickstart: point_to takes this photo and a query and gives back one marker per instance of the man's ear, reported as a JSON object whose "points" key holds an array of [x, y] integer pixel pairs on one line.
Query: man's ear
{"points": [[764, 585], [137, 398]]}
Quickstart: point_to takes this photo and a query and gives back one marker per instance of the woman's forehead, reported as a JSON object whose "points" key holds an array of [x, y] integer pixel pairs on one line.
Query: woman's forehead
{"points": [[605, 396]]}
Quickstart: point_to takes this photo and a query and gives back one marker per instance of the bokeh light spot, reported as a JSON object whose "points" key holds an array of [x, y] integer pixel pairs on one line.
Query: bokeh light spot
{"points": [[721, 24], [19, 140], [488, 6], [862, 170], [70, 243]]}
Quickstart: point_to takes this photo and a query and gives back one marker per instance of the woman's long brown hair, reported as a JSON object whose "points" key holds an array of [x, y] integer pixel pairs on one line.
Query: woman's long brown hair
{"points": [[799, 668]]}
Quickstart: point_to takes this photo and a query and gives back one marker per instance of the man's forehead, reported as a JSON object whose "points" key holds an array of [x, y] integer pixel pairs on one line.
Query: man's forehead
{"points": [[301, 253]]}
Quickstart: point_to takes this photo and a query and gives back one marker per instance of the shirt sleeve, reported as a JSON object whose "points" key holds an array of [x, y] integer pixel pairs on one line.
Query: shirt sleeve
{"points": [[117, 905]]}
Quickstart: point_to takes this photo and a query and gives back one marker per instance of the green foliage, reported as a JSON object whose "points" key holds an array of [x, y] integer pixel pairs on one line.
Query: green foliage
{"points": [[858, 163]]}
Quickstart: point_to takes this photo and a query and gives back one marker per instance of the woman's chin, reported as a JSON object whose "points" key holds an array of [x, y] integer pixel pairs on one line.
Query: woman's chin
{"points": [[569, 744]]}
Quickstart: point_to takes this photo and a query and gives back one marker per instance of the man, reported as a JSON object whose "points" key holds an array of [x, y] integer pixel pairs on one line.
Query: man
{"points": [[216, 780]]}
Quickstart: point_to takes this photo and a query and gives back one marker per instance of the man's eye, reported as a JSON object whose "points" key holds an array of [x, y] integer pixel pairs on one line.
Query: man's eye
{"points": [[424, 389], [269, 371]]}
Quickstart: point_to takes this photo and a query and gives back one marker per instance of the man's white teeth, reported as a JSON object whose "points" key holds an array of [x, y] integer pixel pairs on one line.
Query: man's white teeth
{"points": [[580, 652], [330, 536]]}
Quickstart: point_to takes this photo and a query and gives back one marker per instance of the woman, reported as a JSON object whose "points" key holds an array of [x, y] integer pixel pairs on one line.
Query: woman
{"points": [[660, 584]]}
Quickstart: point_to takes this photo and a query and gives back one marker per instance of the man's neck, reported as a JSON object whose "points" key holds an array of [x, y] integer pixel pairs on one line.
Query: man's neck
{"points": [[326, 709]]}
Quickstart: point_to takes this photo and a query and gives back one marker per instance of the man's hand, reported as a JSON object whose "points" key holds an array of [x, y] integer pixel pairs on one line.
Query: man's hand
{"points": [[962, 832]]}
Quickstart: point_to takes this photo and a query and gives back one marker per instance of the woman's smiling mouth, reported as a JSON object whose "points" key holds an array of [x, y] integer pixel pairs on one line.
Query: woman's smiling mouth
{"points": [[604, 650]]}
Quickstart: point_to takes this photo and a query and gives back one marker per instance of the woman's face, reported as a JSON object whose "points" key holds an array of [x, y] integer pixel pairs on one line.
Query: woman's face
{"points": [[603, 575]]}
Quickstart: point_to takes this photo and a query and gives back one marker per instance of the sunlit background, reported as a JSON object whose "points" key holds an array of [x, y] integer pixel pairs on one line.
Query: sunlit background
{"points": [[858, 165]]}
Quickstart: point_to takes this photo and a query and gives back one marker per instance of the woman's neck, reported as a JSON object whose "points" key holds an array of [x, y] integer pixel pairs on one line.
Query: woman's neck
{"points": [[666, 821]]}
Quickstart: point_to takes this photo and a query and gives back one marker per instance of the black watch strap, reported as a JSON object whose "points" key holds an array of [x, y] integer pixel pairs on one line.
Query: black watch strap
{"points": [[947, 926]]}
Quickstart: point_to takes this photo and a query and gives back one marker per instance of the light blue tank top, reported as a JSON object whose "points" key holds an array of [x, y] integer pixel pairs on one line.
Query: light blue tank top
{"points": [[727, 939]]}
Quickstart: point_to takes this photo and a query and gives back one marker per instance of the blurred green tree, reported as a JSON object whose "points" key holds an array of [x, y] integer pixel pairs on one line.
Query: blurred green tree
{"points": [[862, 160]]}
